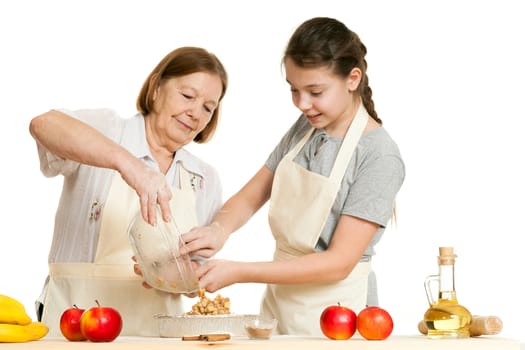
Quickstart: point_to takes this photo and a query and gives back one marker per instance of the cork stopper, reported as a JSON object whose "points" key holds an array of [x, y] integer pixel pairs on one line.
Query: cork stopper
{"points": [[446, 256]]}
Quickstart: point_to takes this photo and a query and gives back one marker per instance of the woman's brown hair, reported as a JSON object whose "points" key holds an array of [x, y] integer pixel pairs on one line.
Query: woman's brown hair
{"points": [[180, 62]]}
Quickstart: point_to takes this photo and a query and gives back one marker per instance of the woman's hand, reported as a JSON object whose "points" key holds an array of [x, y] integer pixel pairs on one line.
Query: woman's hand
{"points": [[136, 269], [205, 241], [152, 188]]}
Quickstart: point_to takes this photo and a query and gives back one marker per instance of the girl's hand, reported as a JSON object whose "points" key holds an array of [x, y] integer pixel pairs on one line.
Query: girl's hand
{"points": [[205, 241], [217, 274], [195, 265]]}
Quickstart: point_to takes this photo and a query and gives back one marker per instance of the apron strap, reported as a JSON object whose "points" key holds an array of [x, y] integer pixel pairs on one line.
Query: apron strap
{"points": [[185, 179], [349, 144], [293, 152]]}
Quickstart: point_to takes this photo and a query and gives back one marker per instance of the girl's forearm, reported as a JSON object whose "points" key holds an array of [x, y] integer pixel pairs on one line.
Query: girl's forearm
{"points": [[245, 203]]}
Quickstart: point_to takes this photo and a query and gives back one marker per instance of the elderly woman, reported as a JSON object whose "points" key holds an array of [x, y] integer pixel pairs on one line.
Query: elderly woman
{"points": [[113, 167]]}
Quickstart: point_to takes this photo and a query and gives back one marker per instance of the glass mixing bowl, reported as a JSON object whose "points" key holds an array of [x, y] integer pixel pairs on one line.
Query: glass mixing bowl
{"points": [[158, 252]]}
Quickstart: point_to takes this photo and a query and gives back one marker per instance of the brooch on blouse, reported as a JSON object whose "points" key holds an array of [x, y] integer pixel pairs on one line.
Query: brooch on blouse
{"points": [[96, 209], [195, 181]]}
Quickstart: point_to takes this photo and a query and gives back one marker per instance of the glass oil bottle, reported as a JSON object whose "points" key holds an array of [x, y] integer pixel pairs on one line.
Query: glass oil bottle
{"points": [[446, 318]]}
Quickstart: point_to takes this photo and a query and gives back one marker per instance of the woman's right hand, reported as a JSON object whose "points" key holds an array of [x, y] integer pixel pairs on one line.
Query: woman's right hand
{"points": [[152, 188]]}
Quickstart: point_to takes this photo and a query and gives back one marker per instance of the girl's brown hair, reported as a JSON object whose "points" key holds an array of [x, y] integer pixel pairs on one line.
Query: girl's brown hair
{"points": [[326, 42]]}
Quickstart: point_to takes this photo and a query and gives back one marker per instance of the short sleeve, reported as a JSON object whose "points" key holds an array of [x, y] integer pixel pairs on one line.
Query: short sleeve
{"points": [[372, 195], [290, 139]]}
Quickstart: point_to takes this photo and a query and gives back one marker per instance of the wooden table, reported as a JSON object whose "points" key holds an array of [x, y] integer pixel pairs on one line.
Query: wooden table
{"points": [[416, 342]]}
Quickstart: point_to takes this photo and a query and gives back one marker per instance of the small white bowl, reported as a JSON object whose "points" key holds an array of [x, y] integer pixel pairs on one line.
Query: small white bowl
{"points": [[260, 327]]}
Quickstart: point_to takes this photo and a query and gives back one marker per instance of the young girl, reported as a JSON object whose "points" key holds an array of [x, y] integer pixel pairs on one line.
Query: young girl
{"points": [[331, 182]]}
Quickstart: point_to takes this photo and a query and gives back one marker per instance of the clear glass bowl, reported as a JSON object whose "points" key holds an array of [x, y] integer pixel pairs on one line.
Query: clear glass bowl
{"points": [[158, 252]]}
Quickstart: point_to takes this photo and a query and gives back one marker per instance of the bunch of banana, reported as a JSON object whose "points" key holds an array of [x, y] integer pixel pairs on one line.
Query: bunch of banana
{"points": [[15, 324]]}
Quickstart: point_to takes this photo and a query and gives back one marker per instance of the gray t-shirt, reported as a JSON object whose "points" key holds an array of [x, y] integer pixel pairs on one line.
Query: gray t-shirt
{"points": [[374, 175]]}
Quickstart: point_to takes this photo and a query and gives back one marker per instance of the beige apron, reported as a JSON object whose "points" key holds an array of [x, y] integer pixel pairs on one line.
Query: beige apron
{"points": [[299, 207], [110, 279]]}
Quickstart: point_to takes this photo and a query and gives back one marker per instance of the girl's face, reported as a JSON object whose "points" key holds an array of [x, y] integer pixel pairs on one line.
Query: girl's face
{"points": [[324, 98], [182, 108]]}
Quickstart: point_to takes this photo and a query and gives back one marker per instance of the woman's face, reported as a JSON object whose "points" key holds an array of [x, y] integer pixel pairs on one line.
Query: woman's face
{"points": [[323, 97], [182, 108]]}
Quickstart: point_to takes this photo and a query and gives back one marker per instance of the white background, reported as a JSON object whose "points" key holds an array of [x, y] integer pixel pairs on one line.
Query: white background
{"points": [[447, 79]]}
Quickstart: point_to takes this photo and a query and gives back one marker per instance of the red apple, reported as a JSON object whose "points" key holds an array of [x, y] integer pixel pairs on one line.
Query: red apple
{"points": [[101, 323], [338, 322], [374, 323], [70, 324]]}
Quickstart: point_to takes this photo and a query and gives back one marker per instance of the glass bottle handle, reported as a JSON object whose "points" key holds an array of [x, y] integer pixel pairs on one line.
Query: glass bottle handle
{"points": [[428, 290]]}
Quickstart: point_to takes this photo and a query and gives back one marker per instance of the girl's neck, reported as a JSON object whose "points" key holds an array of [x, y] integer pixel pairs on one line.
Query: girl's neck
{"points": [[342, 123]]}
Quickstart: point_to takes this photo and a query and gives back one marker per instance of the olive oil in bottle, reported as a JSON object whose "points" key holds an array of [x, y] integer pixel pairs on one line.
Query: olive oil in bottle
{"points": [[446, 318]]}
